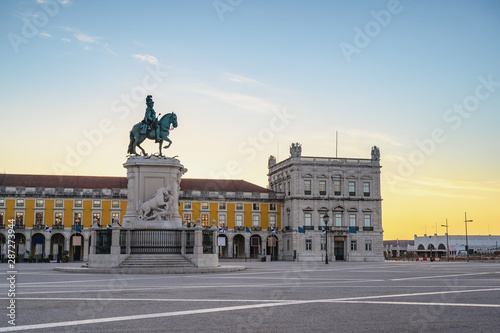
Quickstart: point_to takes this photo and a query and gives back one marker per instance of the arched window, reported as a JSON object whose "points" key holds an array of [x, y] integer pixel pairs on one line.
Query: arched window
{"points": [[421, 247]]}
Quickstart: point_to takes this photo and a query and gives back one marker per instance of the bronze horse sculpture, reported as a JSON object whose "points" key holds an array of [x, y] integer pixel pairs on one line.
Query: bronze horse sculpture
{"points": [[136, 138]]}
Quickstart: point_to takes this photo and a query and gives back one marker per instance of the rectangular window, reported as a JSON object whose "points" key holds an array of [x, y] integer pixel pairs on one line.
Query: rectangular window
{"points": [[19, 218], [280, 188], [354, 245], [239, 206], [1, 218], [255, 221], [368, 245], [352, 188], [39, 203], [77, 219], [368, 220], [307, 187], [289, 188], [322, 187], [115, 218], [336, 187], [2, 202], [338, 220], [255, 206], [78, 203], [204, 220], [20, 203], [307, 219], [239, 221], [272, 221], [323, 243], [321, 219], [352, 220], [309, 244], [272, 207], [222, 221], [96, 218], [187, 218], [204, 205], [288, 245], [222, 206], [39, 218], [59, 204], [115, 204], [288, 219], [187, 205], [97, 204], [366, 189], [58, 219]]}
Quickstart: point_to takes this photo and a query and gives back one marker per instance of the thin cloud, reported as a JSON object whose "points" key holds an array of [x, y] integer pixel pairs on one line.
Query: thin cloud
{"points": [[241, 101], [108, 49], [241, 79], [62, 2], [146, 58], [45, 34], [66, 40], [85, 38]]}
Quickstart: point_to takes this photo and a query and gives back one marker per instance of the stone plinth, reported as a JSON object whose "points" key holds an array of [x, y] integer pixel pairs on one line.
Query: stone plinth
{"points": [[146, 177]]}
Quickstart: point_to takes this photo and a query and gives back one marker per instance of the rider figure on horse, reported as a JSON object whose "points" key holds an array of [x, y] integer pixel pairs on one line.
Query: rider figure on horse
{"points": [[150, 122]]}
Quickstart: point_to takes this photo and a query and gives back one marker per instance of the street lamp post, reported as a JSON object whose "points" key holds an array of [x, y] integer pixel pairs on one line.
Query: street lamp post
{"points": [[325, 220], [447, 243], [466, 239]]}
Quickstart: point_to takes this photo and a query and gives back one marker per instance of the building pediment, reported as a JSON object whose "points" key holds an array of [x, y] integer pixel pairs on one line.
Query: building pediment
{"points": [[338, 209]]}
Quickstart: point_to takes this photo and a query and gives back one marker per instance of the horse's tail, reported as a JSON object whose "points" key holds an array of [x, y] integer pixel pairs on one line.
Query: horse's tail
{"points": [[131, 144]]}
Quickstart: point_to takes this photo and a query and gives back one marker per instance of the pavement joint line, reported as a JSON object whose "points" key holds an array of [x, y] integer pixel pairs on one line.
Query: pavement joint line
{"points": [[411, 294], [142, 316], [233, 308], [423, 303], [439, 276]]}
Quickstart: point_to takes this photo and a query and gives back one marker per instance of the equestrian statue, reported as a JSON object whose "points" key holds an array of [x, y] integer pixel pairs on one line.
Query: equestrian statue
{"points": [[151, 128]]}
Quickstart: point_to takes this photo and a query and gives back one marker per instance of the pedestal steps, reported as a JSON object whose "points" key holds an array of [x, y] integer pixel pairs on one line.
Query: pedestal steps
{"points": [[155, 261]]}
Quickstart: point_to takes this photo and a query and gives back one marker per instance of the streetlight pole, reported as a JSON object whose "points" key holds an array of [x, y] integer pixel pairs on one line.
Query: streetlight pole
{"points": [[447, 243], [466, 239], [325, 220]]}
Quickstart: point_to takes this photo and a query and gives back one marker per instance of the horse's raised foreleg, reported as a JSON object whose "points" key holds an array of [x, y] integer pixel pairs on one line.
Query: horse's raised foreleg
{"points": [[169, 143]]}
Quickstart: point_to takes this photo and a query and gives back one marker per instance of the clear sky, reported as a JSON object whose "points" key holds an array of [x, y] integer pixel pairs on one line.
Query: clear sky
{"points": [[419, 79]]}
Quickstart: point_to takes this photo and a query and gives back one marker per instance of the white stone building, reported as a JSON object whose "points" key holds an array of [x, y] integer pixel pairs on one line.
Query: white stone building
{"points": [[346, 189], [435, 246]]}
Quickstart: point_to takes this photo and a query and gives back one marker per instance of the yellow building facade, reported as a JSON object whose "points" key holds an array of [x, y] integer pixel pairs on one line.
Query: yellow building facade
{"points": [[51, 215]]}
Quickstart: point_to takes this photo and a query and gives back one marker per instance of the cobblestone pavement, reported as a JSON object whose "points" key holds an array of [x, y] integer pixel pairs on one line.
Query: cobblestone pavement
{"points": [[266, 297]]}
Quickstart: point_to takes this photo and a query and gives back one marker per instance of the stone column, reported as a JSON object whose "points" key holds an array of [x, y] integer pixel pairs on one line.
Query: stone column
{"points": [[128, 241], [115, 239], [183, 241], [47, 247], [215, 235], [247, 247], [86, 249], [229, 246], [27, 246], [198, 240], [93, 237]]}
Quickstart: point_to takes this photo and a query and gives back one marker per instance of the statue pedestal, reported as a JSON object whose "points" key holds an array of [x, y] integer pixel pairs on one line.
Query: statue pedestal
{"points": [[150, 180]]}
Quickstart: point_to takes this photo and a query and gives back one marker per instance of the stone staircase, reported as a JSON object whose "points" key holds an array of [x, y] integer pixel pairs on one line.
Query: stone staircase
{"points": [[156, 261]]}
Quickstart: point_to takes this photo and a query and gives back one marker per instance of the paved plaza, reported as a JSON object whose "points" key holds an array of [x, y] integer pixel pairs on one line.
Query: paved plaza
{"points": [[266, 297]]}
